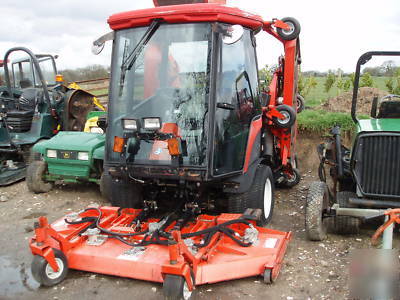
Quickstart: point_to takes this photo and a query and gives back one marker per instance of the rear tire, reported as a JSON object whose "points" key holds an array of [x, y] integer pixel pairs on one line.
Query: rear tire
{"points": [[125, 194], [346, 224], [260, 195], [317, 200], [34, 177]]}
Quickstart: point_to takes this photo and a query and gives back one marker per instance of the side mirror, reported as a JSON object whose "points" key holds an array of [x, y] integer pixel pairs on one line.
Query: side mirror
{"points": [[98, 45], [233, 34]]}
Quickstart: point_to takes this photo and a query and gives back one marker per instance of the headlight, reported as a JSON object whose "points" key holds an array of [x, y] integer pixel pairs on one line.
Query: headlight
{"points": [[83, 155], [52, 153], [129, 124], [151, 123], [96, 130]]}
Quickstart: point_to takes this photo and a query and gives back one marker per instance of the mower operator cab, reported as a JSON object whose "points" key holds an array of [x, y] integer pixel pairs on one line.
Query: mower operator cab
{"points": [[185, 111]]}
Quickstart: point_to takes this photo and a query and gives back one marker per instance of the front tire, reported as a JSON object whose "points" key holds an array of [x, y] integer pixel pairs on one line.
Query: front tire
{"points": [[260, 195], [125, 194], [317, 200], [44, 273], [34, 177]]}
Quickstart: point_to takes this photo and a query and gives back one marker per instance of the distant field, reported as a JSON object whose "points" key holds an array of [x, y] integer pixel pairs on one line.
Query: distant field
{"points": [[318, 95]]}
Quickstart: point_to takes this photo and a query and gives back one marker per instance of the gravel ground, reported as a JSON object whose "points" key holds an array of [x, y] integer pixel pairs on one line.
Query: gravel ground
{"points": [[311, 270]]}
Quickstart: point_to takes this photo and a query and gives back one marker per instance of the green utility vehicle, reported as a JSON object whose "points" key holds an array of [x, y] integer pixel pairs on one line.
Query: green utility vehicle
{"points": [[364, 179], [68, 157], [34, 106]]}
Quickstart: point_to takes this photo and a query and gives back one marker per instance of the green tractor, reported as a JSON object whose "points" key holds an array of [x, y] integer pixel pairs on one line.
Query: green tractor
{"points": [[34, 106], [363, 180], [69, 157]]}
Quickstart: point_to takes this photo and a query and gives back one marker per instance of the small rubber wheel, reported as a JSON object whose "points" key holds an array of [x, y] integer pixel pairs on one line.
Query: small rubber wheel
{"points": [[293, 32], [300, 103], [346, 224], [317, 200], [289, 114], [268, 276], [292, 180], [44, 273], [34, 177], [175, 287]]}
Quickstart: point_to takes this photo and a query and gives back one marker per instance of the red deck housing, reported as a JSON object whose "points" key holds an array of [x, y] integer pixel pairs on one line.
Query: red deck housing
{"points": [[222, 259]]}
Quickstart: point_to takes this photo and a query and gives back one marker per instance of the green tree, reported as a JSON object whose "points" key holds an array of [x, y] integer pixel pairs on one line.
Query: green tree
{"points": [[265, 76], [393, 83], [306, 84], [329, 81], [366, 80]]}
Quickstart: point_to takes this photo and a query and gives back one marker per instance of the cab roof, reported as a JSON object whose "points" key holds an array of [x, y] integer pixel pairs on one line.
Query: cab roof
{"points": [[187, 13]]}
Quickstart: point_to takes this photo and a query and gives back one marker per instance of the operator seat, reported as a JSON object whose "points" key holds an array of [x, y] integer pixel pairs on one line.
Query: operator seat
{"points": [[25, 83], [20, 118]]}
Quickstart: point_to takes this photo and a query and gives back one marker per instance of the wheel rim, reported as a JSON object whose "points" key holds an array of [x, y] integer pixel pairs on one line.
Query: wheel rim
{"points": [[286, 119], [186, 292], [267, 198], [50, 272], [290, 30]]}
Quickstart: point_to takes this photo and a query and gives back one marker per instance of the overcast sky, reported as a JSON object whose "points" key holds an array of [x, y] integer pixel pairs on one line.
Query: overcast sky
{"points": [[334, 33]]}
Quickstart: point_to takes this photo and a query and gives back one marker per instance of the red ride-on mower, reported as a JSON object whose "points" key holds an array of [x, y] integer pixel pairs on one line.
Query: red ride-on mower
{"points": [[189, 132]]}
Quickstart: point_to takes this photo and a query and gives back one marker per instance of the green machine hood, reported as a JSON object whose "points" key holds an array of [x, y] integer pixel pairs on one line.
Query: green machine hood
{"points": [[73, 141], [378, 125]]}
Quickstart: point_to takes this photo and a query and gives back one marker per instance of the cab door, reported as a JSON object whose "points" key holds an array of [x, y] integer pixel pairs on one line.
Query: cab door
{"points": [[237, 102]]}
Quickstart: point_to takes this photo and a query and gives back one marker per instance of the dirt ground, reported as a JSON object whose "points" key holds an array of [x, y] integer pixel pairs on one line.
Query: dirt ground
{"points": [[311, 270], [342, 103]]}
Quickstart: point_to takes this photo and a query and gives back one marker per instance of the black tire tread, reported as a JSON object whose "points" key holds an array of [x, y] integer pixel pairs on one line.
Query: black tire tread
{"points": [[39, 265], [315, 226], [346, 224], [34, 177]]}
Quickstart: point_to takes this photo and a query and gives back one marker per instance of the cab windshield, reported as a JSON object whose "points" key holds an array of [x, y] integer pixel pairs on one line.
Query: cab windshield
{"points": [[25, 75], [168, 80]]}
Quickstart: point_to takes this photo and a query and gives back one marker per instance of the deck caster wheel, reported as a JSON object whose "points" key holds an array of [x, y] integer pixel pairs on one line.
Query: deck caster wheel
{"points": [[175, 287], [34, 177], [316, 202], [268, 279], [300, 103], [291, 33], [44, 273], [291, 181], [289, 114]]}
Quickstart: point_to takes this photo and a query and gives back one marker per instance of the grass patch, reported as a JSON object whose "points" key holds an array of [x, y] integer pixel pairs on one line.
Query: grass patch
{"points": [[99, 92], [322, 121], [318, 95]]}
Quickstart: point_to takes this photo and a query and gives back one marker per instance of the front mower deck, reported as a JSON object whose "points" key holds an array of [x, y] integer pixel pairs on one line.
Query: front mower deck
{"points": [[206, 249]]}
